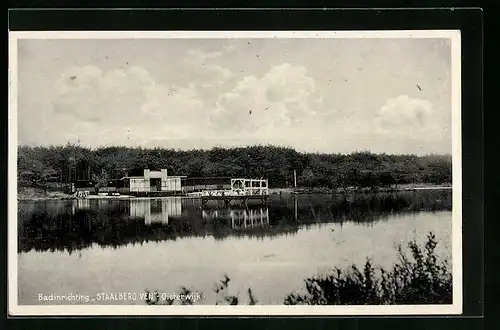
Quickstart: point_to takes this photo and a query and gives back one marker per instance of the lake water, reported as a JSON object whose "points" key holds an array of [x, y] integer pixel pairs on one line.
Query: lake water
{"points": [[86, 247]]}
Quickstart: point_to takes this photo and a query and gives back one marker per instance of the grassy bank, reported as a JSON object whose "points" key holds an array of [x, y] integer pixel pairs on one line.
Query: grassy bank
{"points": [[37, 194], [417, 277], [340, 190]]}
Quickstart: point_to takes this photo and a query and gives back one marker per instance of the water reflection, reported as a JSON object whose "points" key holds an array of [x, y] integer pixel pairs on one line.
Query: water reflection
{"points": [[155, 211], [80, 204], [239, 218], [75, 225]]}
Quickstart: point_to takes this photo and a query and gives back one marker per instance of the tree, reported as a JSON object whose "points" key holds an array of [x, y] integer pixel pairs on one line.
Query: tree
{"points": [[48, 175], [306, 178], [27, 176], [42, 164], [101, 180]]}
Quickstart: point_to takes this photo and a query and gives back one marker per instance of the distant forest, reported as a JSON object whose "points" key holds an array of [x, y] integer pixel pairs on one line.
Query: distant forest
{"points": [[360, 169]]}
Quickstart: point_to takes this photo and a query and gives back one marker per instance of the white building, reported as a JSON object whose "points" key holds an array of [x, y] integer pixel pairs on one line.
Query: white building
{"points": [[153, 181]]}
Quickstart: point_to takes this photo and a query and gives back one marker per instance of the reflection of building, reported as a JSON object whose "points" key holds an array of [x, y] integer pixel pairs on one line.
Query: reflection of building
{"points": [[80, 204], [240, 218], [156, 211], [250, 218], [151, 182]]}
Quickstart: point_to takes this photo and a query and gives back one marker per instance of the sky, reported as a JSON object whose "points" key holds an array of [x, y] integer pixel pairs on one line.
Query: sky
{"points": [[315, 95]]}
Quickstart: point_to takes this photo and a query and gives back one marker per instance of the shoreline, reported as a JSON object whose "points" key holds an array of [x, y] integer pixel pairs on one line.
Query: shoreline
{"points": [[27, 194], [323, 190]]}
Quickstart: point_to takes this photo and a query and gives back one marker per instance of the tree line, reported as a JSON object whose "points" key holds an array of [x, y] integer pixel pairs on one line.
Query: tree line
{"points": [[359, 169]]}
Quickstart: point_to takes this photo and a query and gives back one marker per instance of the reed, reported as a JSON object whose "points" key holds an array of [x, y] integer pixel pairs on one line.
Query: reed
{"points": [[416, 279]]}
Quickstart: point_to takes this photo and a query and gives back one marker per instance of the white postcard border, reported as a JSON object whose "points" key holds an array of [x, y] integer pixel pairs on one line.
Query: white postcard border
{"points": [[14, 309]]}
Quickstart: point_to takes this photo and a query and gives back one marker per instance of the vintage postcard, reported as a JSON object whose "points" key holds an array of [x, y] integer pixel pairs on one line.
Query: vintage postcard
{"points": [[235, 173]]}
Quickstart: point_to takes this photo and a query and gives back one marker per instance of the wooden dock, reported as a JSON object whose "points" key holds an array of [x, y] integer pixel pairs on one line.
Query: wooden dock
{"points": [[244, 199], [242, 190]]}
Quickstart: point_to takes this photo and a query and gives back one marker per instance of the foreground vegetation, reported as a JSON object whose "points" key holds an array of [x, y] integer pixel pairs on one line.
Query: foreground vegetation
{"points": [[416, 279], [419, 279], [362, 169]]}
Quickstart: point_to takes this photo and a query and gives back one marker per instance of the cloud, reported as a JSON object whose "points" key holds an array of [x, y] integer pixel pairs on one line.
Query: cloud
{"points": [[203, 72], [230, 48], [92, 95], [124, 104], [209, 77], [405, 117], [283, 97], [128, 106], [199, 57], [224, 73]]}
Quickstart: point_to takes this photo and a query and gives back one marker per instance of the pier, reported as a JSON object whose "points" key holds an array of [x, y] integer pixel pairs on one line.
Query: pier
{"points": [[242, 190]]}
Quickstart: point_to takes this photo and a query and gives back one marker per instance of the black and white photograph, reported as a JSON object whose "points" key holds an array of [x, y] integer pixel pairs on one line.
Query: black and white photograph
{"points": [[235, 173]]}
